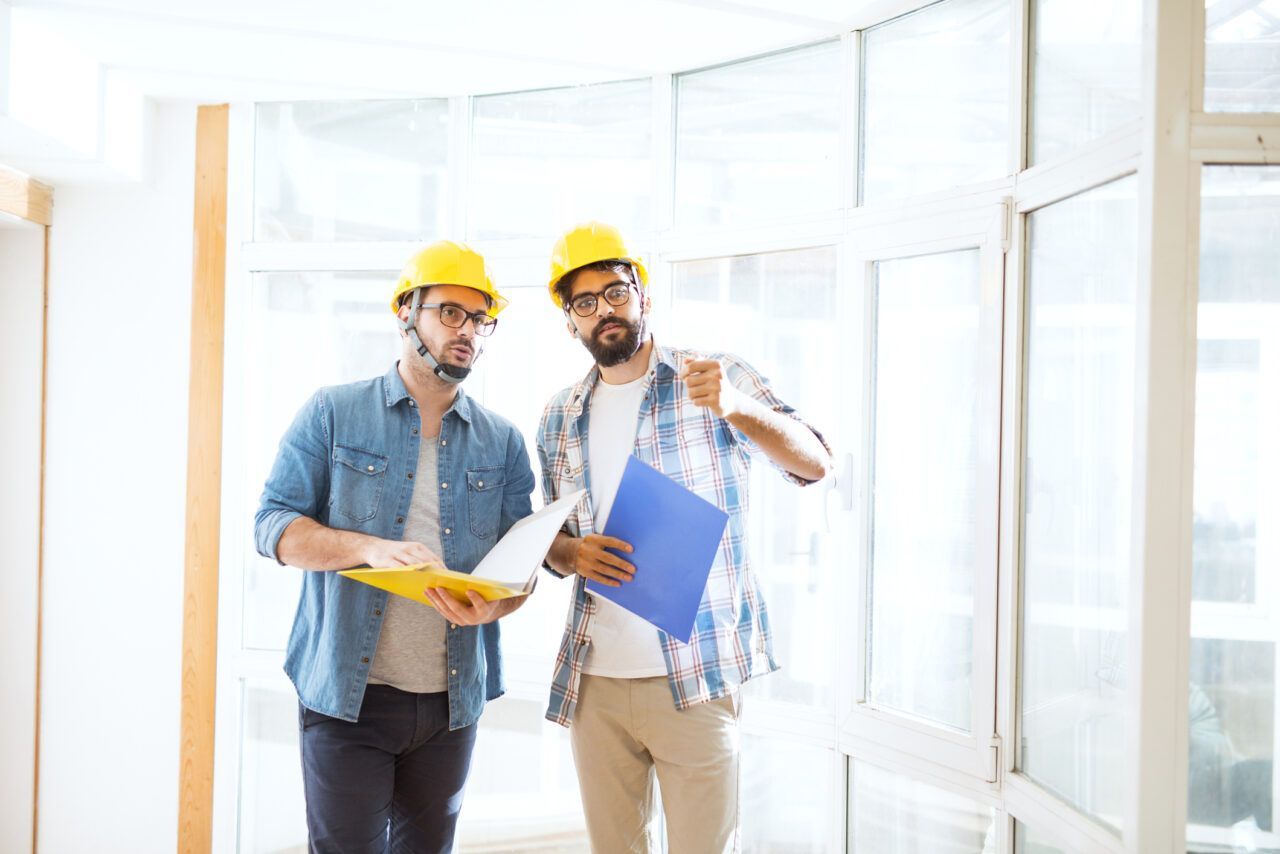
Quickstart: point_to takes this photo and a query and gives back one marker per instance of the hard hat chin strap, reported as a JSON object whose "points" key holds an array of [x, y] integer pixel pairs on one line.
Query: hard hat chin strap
{"points": [[448, 373]]}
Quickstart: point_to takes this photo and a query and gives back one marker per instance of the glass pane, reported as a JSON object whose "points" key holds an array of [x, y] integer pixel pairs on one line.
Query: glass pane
{"points": [[350, 170], [1086, 74], [788, 793], [542, 161], [1242, 56], [779, 312], [1236, 541], [925, 375], [759, 139], [893, 814], [935, 110], [522, 794], [273, 815], [305, 330], [1027, 841], [1076, 501]]}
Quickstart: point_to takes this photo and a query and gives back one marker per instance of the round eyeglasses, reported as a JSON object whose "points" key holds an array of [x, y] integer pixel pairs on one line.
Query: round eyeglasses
{"points": [[584, 305], [455, 317]]}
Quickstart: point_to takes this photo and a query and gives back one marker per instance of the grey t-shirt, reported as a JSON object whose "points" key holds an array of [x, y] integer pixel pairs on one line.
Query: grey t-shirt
{"points": [[411, 652]]}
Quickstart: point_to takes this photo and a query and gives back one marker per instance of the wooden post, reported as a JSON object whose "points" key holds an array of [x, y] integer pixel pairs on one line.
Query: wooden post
{"points": [[204, 485]]}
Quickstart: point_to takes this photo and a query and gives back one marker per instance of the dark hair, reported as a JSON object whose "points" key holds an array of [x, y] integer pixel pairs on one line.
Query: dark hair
{"points": [[564, 287]]}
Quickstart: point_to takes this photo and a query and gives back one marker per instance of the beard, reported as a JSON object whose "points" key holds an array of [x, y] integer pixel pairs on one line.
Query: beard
{"points": [[615, 352]]}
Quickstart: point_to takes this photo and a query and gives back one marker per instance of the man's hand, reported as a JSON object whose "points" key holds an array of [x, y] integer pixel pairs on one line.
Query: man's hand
{"points": [[475, 614], [379, 553], [709, 387], [592, 562]]}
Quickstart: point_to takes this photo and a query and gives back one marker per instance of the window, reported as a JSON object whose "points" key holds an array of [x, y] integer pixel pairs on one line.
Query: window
{"points": [[351, 170], [1076, 500], [890, 812], [1027, 841], [1236, 523], [935, 110], [759, 139], [1242, 56], [1085, 73], [544, 160], [788, 796], [925, 461]]}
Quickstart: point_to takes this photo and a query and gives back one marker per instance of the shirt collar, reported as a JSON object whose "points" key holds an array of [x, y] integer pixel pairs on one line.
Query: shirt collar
{"points": [[664, 361], [393, 385]]}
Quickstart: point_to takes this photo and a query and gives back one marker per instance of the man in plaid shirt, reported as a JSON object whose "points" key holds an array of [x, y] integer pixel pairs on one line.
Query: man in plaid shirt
{"points": [[638, 702]]}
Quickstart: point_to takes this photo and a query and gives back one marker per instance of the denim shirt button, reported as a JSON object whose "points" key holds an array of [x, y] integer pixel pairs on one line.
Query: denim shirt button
{"points": [[364, 660], [409, 475], [399, 520], [451, 672], [448, 530], [444, 486]]}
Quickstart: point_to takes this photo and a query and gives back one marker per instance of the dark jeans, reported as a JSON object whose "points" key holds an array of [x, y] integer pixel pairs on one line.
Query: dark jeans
{"points": [[392, 782]]}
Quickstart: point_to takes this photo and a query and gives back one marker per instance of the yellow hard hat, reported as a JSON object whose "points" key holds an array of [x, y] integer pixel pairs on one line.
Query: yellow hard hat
{"points": [[585, 244], [448, 263]]}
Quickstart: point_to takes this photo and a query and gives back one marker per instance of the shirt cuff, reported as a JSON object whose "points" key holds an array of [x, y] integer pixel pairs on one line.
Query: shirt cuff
{"points": [[271, 529]]}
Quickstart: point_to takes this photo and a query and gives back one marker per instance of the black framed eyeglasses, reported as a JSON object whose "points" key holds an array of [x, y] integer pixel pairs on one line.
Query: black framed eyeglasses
{"points": [[618, 294], [455, 317]]}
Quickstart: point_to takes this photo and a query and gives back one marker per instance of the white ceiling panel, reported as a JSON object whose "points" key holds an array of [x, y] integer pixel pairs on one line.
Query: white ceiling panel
{"points": [[284, 49]]}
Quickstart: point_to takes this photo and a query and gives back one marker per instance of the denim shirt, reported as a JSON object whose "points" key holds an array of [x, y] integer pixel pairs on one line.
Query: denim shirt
{"points": [[348, 462]]}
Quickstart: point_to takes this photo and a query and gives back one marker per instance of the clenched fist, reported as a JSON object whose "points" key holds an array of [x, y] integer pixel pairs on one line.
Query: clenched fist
{"points": [[709, 387]]}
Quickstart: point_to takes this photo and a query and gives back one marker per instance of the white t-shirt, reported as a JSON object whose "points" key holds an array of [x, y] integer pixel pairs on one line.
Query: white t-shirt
{"points": [[622, 645]]}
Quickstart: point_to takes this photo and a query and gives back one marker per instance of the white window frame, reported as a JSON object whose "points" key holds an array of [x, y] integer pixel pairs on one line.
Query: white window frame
{"points": [[886, 732]]}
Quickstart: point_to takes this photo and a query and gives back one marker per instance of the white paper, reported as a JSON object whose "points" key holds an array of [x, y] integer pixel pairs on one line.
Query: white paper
{"points": [[515, 560]]}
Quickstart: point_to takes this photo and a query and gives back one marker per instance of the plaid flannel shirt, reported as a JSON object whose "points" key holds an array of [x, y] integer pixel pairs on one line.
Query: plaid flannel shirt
{"points": [[731, 639]]}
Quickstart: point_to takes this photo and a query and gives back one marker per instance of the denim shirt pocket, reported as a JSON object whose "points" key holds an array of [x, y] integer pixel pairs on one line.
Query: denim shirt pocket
{"points": [[358, 479], [484, 499]]}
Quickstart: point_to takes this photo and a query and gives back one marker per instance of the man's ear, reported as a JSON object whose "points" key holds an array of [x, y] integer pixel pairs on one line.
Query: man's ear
{"points": [[573, 330]]}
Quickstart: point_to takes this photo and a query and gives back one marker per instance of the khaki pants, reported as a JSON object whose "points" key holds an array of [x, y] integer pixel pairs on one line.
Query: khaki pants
{"points": [[625, 731]]}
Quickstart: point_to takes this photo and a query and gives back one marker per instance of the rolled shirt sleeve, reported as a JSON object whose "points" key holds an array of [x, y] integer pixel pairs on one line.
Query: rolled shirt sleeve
{"points": [[299, 481]]}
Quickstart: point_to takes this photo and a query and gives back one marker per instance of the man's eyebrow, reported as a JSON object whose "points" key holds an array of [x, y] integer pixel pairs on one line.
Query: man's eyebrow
{"points": [[605, 288], [462, 307]]}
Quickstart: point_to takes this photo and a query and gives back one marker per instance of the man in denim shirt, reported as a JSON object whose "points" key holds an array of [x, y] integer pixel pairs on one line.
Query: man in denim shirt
{"points": [[396, 470]]}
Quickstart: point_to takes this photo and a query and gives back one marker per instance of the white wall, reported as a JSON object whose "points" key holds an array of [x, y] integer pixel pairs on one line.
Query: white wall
{"points": [[21, 317], [119, 332]]}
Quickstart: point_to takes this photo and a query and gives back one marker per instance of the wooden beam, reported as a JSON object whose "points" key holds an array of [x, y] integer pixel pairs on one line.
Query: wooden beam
{"points": [[204, 485], [25, 197]]}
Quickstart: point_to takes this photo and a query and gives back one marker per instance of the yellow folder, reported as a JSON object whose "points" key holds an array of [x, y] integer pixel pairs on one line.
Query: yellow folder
{"points": [[411, 581], [509, 569]]}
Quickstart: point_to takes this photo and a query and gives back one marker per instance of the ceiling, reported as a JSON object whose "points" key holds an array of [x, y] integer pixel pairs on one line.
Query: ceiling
{"points": [[78, 78], [287, 50]]}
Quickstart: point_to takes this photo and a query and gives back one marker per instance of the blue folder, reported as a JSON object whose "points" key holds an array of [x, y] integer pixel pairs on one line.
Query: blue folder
{"points": [[675, 534]]}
